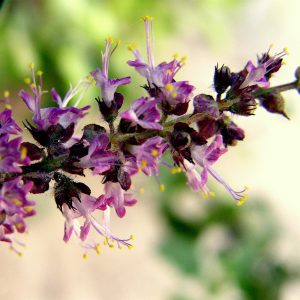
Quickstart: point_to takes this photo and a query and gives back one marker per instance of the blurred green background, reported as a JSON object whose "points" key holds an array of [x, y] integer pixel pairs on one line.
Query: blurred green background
{"points": [[186, 248]]}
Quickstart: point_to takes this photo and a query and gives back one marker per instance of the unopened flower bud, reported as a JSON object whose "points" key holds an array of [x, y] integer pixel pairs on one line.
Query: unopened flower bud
{"points": [[222, 79], [274, 103], [245, 107]]}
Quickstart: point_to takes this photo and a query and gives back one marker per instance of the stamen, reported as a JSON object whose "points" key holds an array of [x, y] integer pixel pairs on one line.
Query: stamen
{"points": [[6, 94], [162, 187], [27, 80]]}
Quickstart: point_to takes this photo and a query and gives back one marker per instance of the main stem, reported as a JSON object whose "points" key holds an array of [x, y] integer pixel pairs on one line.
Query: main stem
{"points": [[192, 118]]}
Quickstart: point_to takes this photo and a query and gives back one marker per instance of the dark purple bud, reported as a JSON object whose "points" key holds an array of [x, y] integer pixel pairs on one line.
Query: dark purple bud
{"points": [[39, 135], [33, 151], [83, 187], [91, 131], [274, 103], [124, 179], [245, 106], [78, 150], [40, 181], [206, 104], [65, 189], [208, 127], [69, 165], [178, 109], [231, 132], [109, 113], [222, 79], [180, 138], [58, 134]]}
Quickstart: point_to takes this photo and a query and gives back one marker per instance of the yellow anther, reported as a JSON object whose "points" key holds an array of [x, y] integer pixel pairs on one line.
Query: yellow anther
{"points": [[142, 190], [28, 209], [169, 72], [19, 226], [140, 170], [20, 254], [286, 50], [109, 39], [111, 246], [212, 194], [132, 46], [118, 42], [23, 152], [169, 87], [27, 80], [241, 201], [175, 56], [31, 66], [130, 247], [176, 170], [8, 106], [144, 163], [85, 256], [154, 152], [183, 59], [132, 237], [6, 94], [39, 73], [174, 95], [17, 202], [147, 18], [161, 187], [33, 86], [98, 251], [120, 247]]}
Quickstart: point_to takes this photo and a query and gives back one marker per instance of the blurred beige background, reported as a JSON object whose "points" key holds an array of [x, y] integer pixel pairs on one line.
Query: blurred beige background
{"points": [[267, 161]]}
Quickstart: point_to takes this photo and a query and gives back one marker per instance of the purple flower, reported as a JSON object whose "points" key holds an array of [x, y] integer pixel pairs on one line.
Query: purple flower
{"points": [[259, 76], [108, 86], [145, 113], [157, 76], [84, 209], [11, 154], [205, 156], [148, 154], [177, 92], [99, 158], [14, 208], [45, 117], [117, 198], [7, 123]]}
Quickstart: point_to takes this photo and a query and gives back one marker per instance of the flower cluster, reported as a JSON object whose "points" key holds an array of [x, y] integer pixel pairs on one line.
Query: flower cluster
{"points": [[170, 121]]}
